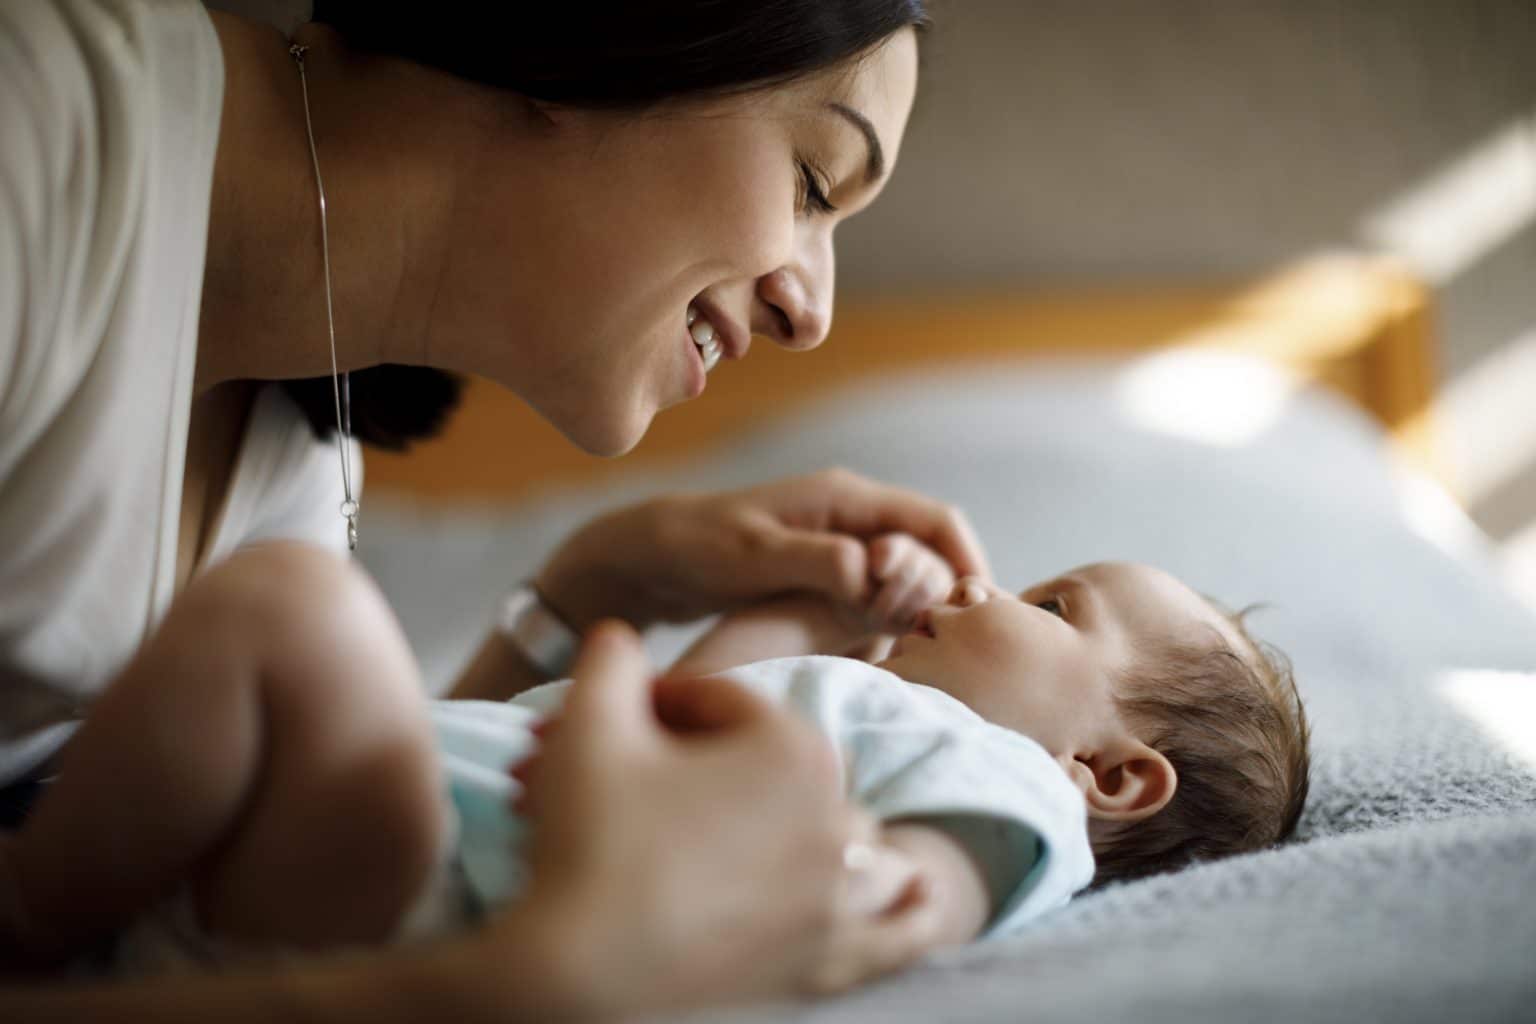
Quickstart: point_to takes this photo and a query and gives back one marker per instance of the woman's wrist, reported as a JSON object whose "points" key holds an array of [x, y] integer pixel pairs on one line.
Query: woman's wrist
{"points": [[527, 963], [524, 964], [578, 598], [459, 980], [584, 583], [497, 672]]}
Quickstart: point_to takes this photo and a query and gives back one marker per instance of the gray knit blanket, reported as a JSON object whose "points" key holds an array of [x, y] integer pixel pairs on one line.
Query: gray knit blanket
{"points": [[1409, 893]]}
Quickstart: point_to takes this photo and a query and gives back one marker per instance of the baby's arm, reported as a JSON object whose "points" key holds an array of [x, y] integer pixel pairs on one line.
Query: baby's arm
{"points": [[778, 628], [906, 577]]}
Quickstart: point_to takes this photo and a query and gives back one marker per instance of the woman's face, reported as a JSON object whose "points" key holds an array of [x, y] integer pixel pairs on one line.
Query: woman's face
{"points": [[631, 226]]}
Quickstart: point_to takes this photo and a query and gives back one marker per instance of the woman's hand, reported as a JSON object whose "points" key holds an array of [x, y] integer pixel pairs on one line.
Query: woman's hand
{"points": [[689, 847], [680, 557]]}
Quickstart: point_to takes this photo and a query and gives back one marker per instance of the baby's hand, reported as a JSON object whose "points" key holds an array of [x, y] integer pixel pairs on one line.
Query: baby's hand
{"points": [[908, 576]]}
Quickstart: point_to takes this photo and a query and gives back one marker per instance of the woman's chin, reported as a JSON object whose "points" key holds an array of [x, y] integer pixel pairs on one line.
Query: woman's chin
{"points": [[608, 438]]}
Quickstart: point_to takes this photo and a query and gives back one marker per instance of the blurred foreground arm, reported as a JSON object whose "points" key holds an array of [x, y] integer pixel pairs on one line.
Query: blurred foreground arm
{"points": [[652, 887]]}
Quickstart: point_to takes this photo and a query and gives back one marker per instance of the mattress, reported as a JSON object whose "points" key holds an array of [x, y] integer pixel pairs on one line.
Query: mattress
{"points": [[1409, 892]]}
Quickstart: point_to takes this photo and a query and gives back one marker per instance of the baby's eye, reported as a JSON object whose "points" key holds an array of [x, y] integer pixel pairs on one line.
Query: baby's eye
{"points": [[1052, 605]]}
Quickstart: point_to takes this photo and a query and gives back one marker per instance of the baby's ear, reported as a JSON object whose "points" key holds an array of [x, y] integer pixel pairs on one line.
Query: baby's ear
{"points": [[1128, 783]]}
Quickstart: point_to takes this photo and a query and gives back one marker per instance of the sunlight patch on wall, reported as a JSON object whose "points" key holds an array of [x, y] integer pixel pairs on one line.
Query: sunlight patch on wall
{"points": [[1503, 704], [1489, 417], [1465, 210], [1517, 558], [1223, 399], [1432, 513]]}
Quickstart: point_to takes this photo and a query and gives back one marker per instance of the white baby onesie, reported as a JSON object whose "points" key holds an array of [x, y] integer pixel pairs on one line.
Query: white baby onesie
{"points": [[907, 751]]}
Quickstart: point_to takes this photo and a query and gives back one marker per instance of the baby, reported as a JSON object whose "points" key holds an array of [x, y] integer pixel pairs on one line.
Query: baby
{"points": [[1186, 738], [1007, 743]]}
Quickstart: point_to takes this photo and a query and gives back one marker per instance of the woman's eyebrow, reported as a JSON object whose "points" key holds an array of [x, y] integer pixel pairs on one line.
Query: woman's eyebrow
{"points": [[874, 167]]}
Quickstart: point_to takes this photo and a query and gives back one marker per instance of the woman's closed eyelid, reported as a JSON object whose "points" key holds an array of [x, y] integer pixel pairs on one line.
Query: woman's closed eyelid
{"points": [[813, 188]]}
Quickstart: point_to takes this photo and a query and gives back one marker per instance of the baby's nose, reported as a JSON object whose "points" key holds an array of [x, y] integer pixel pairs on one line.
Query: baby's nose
{"points": [[968, 590]]}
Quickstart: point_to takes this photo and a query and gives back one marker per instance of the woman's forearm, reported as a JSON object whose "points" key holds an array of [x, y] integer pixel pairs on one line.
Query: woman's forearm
{"points": [[352, 990], [468, 979], [496, 672]]}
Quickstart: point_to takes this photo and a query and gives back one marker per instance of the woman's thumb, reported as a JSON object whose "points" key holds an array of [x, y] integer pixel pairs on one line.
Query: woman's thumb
{"points": [[689, 705], [611, 680], [834, 564]]}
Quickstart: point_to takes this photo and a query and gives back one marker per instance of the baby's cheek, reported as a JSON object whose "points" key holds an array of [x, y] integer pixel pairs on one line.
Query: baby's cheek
{"points": [[1005, 637]]}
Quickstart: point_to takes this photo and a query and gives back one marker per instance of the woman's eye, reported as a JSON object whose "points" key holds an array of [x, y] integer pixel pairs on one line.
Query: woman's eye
{"points": [[1052, 605], [813, 195]]}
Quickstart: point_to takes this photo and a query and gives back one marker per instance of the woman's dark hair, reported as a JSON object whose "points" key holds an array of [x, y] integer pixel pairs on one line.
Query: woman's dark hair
{"points": [[624, 53], [612, 54]]}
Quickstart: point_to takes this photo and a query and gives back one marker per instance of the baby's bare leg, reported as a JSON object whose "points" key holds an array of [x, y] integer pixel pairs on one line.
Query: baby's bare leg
{"points": [[268, 746]]}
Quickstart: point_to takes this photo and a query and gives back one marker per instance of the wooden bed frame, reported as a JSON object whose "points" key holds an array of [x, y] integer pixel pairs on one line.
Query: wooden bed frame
{"points": [[1360, 325]]}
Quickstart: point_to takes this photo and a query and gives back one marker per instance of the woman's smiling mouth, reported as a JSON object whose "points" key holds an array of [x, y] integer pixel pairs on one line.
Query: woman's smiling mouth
{"points": [[705, 338]]}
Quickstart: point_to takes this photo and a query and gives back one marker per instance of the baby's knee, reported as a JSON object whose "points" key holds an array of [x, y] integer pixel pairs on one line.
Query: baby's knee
{"points": [[310, 638], [301, 611], [349, 748], [284, 590]]}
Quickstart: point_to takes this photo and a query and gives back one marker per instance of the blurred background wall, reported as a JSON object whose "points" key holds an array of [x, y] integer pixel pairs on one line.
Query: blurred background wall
{"points": [[1064, 140], [1061, 142]]}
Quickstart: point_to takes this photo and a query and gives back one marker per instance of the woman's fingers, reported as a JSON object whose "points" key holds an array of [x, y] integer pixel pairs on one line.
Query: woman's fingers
{"points": [[792, 558], [858, 505], [679, 557], [610, 688], [740, 816]]}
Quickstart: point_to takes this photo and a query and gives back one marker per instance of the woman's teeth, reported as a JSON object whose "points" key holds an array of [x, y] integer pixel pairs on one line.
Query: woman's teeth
{"points": [[704, 337]]}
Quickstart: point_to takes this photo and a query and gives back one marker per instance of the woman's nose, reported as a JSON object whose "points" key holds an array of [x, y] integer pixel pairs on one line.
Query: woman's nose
{"points": [[797, 299]]}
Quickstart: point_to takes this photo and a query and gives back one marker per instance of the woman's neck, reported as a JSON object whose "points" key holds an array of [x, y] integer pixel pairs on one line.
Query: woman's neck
{"points": [[389, 176]]}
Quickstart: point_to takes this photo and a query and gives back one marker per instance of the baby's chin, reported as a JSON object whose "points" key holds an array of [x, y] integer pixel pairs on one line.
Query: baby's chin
{"points": [[895, 664]]}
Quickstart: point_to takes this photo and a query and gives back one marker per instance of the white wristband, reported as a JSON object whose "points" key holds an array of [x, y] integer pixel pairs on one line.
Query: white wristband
{"points": [[526, 623]]}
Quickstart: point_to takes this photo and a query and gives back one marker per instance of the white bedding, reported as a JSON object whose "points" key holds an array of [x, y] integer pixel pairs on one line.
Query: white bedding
{"points": [[1412, 893]]}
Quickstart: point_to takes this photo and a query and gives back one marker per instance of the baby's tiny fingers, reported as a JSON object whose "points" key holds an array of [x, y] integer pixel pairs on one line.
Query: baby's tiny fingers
{"points": [[888, 551], [917, 599], [892, 594]]}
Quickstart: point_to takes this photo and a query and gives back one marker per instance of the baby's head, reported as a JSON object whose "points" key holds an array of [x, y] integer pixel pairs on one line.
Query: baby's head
{"points": [[1186, 737]]}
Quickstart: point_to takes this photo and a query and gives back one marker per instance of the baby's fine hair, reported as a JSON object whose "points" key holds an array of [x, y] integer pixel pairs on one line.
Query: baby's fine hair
{"points": [[1232, 725]]}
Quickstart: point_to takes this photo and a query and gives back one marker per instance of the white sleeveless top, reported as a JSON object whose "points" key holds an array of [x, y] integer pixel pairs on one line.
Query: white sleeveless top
{"points": [[109, 123]]}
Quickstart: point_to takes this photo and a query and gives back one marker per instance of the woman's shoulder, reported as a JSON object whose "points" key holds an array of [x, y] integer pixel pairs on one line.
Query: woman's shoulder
{"points": [[287, 483], [110, 114]]}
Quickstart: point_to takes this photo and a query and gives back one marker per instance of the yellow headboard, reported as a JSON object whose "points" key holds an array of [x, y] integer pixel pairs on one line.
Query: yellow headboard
{"points": [[1360, 325]]}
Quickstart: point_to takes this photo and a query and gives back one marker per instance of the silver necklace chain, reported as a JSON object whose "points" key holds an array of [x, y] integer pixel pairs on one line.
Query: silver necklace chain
{"points": [[340, 382]]}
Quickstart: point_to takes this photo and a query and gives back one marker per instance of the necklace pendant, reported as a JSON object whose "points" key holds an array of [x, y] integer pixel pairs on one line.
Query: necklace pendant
{"points": [[349, 510]]}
